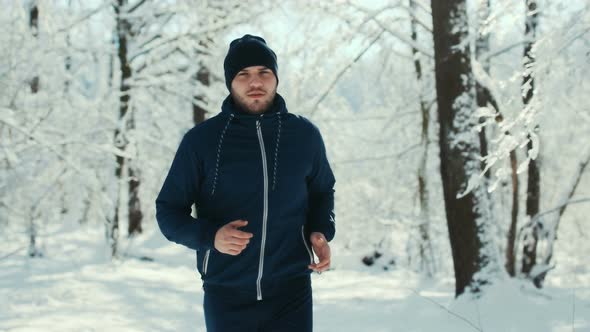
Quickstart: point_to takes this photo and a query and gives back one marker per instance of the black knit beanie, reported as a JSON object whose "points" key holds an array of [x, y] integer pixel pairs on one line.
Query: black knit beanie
{"points": [[245, 52]]}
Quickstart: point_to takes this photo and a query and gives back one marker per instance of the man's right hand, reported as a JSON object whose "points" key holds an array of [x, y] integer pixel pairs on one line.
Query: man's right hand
{"points": [[229, 240]]}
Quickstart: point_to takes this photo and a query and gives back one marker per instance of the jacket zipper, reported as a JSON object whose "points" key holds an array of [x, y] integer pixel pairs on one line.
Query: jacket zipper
{"points": [[206, 261], [264, 211], [306, 246]]}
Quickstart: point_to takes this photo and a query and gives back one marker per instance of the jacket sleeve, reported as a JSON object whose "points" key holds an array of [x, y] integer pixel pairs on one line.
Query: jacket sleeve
{"points": [[174, 202], [321, 191]]}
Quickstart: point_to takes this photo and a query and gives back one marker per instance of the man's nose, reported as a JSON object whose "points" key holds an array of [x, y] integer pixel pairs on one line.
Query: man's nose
{"points": [[256, 82]]}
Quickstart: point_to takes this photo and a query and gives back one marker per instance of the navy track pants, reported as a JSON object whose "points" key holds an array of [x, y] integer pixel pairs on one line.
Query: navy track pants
{"points": [[290, 311]]}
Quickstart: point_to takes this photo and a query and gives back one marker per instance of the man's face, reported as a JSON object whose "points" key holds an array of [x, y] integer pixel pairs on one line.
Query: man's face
{"points": [[254, 89]]}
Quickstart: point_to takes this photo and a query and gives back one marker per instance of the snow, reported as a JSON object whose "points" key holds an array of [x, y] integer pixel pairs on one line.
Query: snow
{"points": [[75, 289], [59, 155]]}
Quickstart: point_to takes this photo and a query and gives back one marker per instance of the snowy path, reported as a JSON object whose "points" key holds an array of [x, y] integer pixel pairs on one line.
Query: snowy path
{"points": [[81, 292], [148, 296]]}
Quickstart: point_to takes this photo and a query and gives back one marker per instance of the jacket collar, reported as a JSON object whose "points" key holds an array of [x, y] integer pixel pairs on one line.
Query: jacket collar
{"points": [[229, 107]]}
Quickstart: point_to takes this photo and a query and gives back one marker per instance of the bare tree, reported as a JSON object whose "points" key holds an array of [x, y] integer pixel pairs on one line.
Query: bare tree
{"points": [[34, 83], [211, 24], [466, 203], [531, 236], [486, 99], [426, 254], [203, 76], [547, 223], [34, 26], [126, 171]]}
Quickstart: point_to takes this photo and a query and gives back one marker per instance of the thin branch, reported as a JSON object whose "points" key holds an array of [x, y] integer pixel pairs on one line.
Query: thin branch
{"points": [[48, 190], [561, 206], [366, 118], [13, 252], [372, 15], [84, 18], [573, 39], [404, 39], [163, 57], [199, 32], [503, 50], [41, 143], [449, 311], [570, 193], [181, 70], [10, 209], [424, 7], [337, 78], [192, 100], [145, 43], [134, 7], [397, 155]]}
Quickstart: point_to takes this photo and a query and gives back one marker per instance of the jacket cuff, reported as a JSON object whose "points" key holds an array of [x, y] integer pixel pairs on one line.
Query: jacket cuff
{"points": [[206, 232], [327, 229]]}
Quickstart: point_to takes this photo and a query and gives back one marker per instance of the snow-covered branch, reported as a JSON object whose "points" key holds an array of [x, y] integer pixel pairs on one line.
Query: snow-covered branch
{"points": [[335, 80]]}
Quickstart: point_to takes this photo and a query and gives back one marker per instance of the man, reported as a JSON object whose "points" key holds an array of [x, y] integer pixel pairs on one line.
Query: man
{"points": [[264, 194]]}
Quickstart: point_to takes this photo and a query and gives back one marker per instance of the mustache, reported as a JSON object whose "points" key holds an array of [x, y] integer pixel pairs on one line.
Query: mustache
{"points": [[255, 92]]}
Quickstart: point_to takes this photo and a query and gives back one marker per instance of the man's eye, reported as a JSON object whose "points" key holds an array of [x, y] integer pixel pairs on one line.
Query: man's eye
{"points": [[242, 74]]}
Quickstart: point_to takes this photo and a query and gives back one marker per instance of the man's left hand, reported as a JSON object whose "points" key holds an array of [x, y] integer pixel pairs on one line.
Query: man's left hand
{"points": [[322, 249]]}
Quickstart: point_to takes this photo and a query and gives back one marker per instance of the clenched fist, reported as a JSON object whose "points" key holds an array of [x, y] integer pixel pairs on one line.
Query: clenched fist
{"points": [[230, 240]]}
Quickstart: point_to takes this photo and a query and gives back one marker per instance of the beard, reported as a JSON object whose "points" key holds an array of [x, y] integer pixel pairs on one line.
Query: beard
{"points": [[254, 106]]}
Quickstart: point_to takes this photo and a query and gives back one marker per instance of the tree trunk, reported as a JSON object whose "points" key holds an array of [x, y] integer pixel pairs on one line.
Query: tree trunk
{"points": [[533, 182], [68, 60], [130, 180], [482, 47], [467, 206], [511, 241], [134, 206], [34, 26], [34, 84], [121, 141], [485, 99], [427, 262], [202, 76], [68, 68]]}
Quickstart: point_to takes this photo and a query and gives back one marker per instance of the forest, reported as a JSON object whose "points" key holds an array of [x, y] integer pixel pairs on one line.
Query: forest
{"points": [[455, 130]]}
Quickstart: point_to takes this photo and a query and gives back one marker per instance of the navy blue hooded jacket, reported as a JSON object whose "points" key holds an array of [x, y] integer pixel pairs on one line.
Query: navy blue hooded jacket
{"points": [[269, 169]]}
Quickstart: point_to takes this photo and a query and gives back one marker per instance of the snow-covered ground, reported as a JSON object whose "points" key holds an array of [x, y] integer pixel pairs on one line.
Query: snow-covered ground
{"points": [[74, 288]]}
